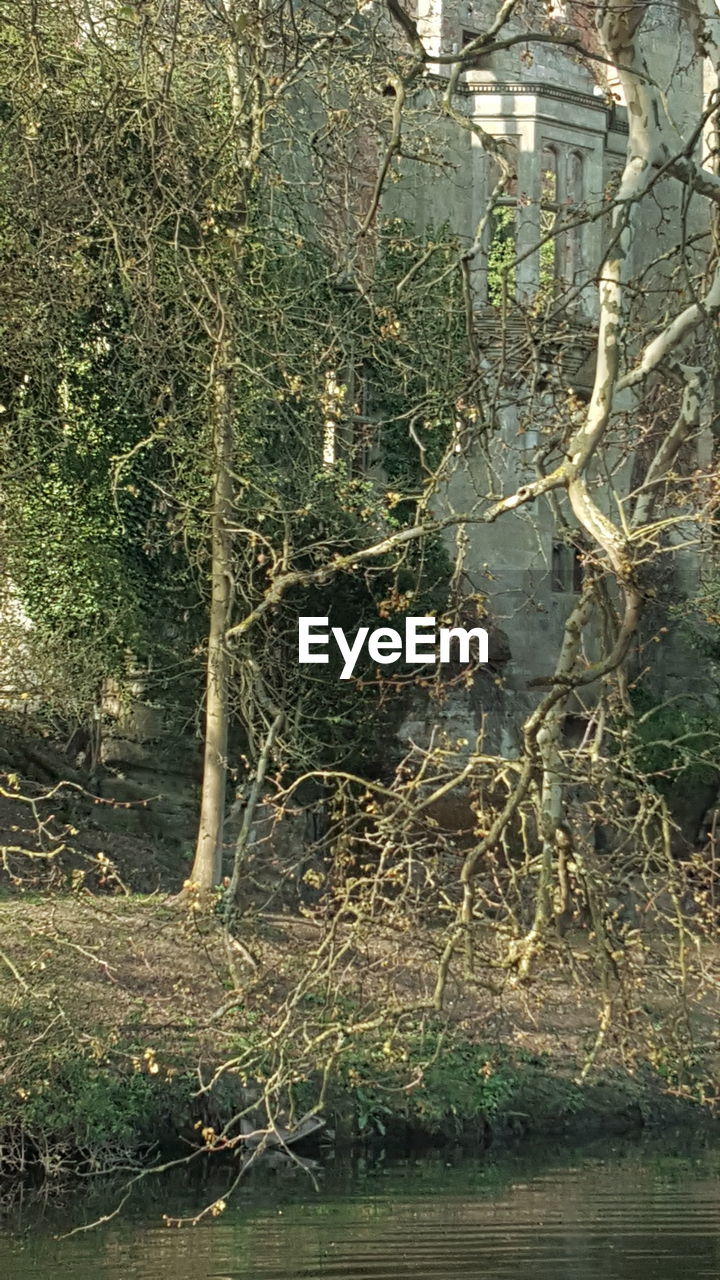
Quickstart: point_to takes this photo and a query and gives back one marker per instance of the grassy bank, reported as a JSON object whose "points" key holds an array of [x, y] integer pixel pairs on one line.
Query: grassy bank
{"points": [[117, 1014]]}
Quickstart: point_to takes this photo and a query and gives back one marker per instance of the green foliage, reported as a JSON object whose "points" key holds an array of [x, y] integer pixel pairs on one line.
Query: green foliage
{"points": [[700, 623], [548, 218], [502, 255], [83, 1105], [289, 498], [68, 1104], [89, 556], [417, 353], [673, 743], [436, 1081], [162, 240], [547, 255]]}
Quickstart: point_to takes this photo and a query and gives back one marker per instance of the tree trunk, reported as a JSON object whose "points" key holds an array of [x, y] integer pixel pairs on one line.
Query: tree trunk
{"points": [[551, 795], [207, 867]]}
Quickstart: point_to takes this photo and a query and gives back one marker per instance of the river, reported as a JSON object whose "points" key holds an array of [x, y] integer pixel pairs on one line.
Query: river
{"points": [[632, 1212]]}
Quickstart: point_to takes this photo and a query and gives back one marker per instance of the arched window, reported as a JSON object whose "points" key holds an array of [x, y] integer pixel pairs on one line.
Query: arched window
{"points": [[502, 247], [572, 239], [559, 195], [549, 206]]}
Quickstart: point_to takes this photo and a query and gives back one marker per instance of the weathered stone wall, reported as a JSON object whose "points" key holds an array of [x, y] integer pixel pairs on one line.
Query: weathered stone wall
{"points": [[536, 97]]}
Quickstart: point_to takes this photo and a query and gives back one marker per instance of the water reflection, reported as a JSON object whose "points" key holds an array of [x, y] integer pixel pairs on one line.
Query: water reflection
{"points": [[627, 1218]]}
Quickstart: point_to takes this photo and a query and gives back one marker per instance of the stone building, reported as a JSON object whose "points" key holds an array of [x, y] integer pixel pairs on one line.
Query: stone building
{"points": [[562, 121]]}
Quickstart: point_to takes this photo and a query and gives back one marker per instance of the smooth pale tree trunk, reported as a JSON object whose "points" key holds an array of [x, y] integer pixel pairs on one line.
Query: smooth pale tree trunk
{"points": [[207, 866]]}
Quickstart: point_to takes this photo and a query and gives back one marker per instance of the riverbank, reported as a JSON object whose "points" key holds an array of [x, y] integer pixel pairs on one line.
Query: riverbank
{"points": [[118, 1015]]}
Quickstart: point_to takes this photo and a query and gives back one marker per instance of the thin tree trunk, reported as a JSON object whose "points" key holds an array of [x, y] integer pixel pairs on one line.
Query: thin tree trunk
{"points": [[551, 798], [244, 835], [207, 867]]}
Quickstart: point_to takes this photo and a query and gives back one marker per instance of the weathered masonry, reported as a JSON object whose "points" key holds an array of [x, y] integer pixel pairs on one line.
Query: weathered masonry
{"points": [[560, 121]]}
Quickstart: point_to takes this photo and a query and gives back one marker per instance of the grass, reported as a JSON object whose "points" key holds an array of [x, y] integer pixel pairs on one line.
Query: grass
{"points": [[114, 1009]]}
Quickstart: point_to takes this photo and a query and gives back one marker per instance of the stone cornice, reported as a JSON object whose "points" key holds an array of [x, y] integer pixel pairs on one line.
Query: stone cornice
{"points": [[615, 122]]}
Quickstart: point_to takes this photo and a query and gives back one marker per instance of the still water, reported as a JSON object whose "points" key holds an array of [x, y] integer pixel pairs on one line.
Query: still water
{"points": [[626, 1214]]}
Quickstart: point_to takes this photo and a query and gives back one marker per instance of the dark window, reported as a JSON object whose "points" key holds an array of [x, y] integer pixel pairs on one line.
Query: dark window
{"points": [[481, 59], [578, 572], [567, 568], [576, 730]]}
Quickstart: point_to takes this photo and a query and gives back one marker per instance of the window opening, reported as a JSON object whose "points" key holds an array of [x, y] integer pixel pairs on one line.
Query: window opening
{"points": [[502, 251], [560, 185], [481, 60], [566, 568], [549, 209], [572, 239]]}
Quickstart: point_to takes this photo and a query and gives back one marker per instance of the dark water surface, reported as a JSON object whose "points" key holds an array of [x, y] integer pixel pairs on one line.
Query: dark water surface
{"points": [[626, 1214]]}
